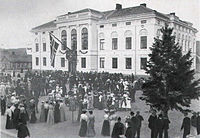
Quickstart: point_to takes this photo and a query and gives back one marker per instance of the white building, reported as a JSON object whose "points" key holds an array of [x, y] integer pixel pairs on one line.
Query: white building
{"points": [[111, 41]]}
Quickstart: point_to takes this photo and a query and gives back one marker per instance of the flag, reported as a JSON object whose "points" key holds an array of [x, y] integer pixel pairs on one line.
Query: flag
{"points": [[54, 43]]}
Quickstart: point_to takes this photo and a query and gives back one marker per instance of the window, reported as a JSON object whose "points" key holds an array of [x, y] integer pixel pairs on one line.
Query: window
{"points": [[101, 26], [114, 63], [143, 21], [102, 62], [143, 63], [83, 62], [36, 47], [74, 39], [43, 32], [128, 63], [84, 37], [44, 47], [64, 39], [44, 61], [143, 42], [128, 23], [114, 43], [114, 25], [52, 32], [101, 44], [62, 62], [128, 42], [36, 33], [37, 61]]}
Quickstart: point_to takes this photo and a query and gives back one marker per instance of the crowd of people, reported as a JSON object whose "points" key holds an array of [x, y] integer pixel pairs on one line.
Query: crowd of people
{"points": [[84, 92]]}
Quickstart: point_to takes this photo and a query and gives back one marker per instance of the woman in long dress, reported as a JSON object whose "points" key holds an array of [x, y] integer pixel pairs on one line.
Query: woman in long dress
{"points": [[50, 116], [62, 111], [9, 121], [106, 124], [33, 110], [57, 112], [83, 128], [42, 113], [90, 127]]}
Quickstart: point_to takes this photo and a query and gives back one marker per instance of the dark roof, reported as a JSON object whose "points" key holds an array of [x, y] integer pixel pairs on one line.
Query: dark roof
{"points": [[50, 24], [130, 11], [15, 55]]}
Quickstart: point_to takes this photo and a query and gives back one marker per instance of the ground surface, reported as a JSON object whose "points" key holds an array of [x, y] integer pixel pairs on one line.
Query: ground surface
{"points": [[68, 129]]}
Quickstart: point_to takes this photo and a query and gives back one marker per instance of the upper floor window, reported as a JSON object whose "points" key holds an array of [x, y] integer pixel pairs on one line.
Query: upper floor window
{"points": [[36, 47], [143, 21], [143, 42], [114, 44], [74, 39], [114, 25], [128, 42], [102, 41], [101, 26], [44, 44], [64, 39], [84, 37], [128, 23]]}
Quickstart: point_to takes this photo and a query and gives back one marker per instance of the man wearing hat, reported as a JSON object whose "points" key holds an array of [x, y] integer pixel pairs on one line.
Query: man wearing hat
{"points": [[186, 125]]}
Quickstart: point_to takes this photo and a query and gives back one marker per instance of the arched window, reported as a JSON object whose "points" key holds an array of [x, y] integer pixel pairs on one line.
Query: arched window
{"points": [[143, 39], [74, 39], [128, 39], [84, 37], [101, 41], [114, 36], [64, 39], [44, 44]]}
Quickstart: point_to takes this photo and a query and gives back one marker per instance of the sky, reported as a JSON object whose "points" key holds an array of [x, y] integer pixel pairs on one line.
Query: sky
{"points": [[18, 17]]}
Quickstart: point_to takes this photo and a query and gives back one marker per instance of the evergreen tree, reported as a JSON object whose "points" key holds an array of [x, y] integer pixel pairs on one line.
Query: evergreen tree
{"points": [[171, 84]]}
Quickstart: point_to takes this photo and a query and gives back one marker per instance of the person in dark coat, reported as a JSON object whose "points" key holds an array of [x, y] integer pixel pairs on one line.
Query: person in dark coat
{"points": [[198, 123], [3, 105], [140, 119], [23, 115], [186, 125], [57, 112], [16, 116], [152, 121], [23, 131], [118, 129], [166, 126], [160, 125], [129, 131], [134, 124], [105, 131]]}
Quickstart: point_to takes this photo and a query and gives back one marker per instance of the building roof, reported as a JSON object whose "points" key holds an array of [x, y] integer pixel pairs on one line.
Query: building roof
{"points": [[15, 55], [82, 11], [50, 24]]}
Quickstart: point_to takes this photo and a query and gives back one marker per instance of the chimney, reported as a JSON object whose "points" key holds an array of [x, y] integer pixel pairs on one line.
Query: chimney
{"points": [[118, 7], [173, 13], [143, 4]]}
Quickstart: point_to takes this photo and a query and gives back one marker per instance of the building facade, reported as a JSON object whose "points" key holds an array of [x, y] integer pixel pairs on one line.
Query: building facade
{"points": [[14, 61], [111, 41]]}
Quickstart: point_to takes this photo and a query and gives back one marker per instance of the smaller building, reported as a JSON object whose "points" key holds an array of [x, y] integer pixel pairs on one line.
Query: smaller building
{"points": [[14, 61]]}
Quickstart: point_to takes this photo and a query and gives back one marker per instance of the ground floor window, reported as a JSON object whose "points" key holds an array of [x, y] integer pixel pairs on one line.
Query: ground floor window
{"points": [[62, 62], [114, 63], [143, 63], [37, 61], [83, 62], [128, 63]]}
